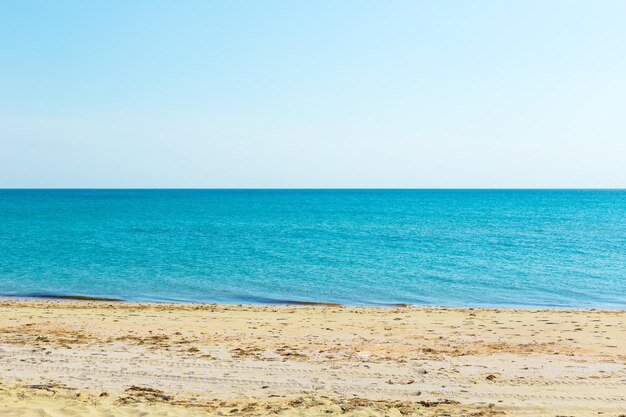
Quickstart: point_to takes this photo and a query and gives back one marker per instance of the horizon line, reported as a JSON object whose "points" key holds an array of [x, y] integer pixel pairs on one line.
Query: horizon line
{"points": [[325, 188]]}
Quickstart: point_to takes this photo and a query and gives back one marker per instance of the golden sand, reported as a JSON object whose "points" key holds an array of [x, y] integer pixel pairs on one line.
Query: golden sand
{"points": [[66, 358]]}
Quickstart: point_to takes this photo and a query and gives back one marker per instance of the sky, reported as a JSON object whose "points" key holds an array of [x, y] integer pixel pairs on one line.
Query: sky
{"points": [[313, 94]]}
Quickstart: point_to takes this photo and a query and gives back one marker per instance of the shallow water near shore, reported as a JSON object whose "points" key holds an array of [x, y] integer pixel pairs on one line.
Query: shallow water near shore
{"points": [[548, 248]]}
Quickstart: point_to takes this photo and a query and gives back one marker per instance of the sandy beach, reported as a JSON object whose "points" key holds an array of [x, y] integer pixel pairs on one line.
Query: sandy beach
{"points": [[68, 358]]}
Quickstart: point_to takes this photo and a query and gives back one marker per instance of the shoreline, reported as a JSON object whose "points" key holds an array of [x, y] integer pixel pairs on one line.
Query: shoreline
{"points": [[187, 359], [281, 302]]}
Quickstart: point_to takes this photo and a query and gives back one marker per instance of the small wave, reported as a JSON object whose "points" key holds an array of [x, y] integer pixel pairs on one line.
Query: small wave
{"points": [[309, 303], [63, 297]]}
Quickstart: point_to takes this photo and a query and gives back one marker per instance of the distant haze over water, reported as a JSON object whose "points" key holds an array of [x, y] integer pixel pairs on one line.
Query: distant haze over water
{"points": [[547, 248]]}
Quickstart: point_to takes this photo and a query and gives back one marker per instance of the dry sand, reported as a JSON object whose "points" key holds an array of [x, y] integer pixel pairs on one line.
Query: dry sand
{"points": [[62, 358]]}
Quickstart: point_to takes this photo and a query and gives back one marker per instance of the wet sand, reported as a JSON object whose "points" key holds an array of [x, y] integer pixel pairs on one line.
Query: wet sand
{"points": [[69, 358]]}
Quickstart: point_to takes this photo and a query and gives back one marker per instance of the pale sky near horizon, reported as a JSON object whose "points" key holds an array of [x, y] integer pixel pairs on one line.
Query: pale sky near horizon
{"points": [[416, 94]]}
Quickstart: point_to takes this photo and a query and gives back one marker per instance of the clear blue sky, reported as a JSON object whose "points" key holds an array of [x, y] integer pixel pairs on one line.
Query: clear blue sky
{"points": [[312, 94]]}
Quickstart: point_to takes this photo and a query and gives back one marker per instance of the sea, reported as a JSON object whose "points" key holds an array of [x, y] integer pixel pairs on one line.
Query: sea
{"points": [[483, 248]]}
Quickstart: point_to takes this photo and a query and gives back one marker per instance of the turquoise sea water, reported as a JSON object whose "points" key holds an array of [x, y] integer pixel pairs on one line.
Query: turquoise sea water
{"points": [[551, 248]]}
